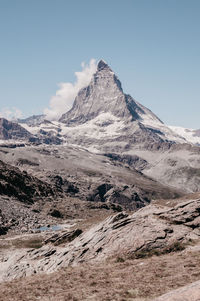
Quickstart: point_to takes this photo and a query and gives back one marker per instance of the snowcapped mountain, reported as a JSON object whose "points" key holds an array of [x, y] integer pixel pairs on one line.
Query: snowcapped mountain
{"points": [[103, 113], [104, 118], [104, 94]]}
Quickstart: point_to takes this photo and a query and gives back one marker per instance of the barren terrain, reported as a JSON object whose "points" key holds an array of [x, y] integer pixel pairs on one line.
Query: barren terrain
{"points": [[117, 278]]}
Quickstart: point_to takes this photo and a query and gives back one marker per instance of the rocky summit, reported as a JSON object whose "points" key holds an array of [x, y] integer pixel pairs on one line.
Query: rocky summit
{"points": [[103, 112], [105, 95], [106, 200]]}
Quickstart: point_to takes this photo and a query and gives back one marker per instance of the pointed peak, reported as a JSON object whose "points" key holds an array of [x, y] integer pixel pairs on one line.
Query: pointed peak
{"points": [[102, 65]]}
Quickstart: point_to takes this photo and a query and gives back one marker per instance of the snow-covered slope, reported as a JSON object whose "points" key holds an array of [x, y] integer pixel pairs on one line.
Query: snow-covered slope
{"points": [[190, 135]]}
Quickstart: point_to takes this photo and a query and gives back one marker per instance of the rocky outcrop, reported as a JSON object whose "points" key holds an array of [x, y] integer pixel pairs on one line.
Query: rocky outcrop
{"points": [[131, 160], [62, 238], [22, 186], [149, 231], [125, 196]]}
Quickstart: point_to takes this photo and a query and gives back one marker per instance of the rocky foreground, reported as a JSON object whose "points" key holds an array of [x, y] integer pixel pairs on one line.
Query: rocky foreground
{"points": [[152, 230], [141, 256]]}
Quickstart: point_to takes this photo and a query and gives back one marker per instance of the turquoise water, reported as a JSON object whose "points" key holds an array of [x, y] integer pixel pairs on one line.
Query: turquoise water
{"points": [[51, 228]]}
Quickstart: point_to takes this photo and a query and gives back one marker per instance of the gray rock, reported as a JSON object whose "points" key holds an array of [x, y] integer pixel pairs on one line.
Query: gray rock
{"points": [[64, 237]]}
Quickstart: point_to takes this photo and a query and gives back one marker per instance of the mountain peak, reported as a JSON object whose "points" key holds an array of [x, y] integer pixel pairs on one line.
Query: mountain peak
{"points": [[103, 95], [102, 65]]}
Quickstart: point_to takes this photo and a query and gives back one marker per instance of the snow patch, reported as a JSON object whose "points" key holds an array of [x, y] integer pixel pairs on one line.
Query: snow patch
{"points": [[103, 126], [188, 134], [148, 120], [34, 130]]}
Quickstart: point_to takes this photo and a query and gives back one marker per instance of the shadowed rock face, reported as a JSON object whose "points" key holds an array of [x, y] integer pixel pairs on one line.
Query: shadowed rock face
{"points": [[12, 130], [20, 185], [149, 230]]}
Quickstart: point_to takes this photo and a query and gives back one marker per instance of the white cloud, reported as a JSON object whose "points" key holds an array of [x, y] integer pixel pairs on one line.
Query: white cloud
{"points": [[10, 113], [65, 95]]}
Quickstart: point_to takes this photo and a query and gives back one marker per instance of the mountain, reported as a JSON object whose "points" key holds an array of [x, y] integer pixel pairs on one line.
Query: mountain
{"points": [[79, 174], [104, 94], [12, 130], [103, 118], [102, 114], [103, 111]]}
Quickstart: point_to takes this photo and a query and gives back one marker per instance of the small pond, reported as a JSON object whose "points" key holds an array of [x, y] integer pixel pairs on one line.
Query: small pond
{"points": [[50, 228]]}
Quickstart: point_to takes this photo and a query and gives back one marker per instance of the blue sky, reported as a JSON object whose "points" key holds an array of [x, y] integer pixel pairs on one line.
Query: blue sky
{"points": [[152, 45]]}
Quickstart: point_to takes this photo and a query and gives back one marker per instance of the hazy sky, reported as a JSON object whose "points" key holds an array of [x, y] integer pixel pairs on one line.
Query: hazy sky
{"points": [[152, 45]]}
